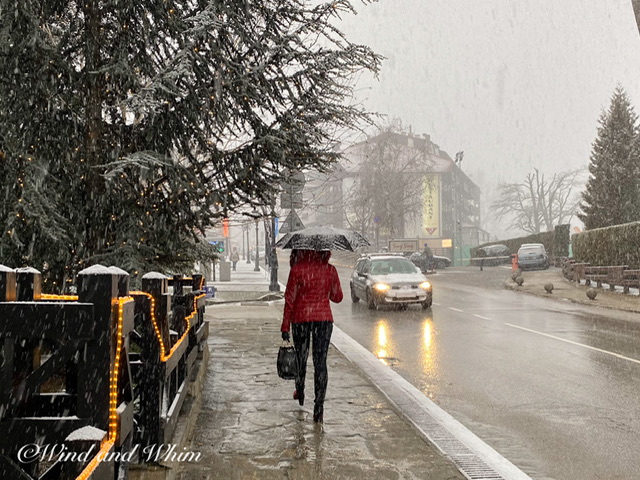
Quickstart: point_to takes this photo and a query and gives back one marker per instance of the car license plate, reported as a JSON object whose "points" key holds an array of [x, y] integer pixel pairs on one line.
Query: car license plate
{"points": [[406, 295]]}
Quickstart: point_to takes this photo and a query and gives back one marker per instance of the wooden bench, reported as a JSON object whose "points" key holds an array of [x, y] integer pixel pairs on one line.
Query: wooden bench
{"points": [[567, 268], [596, 274], [614, 275], [579, 271], [629, 278]]}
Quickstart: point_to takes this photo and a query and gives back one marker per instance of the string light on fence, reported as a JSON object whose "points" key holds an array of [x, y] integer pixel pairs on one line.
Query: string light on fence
{"points": [[188, 327], [68, 298], [154, 321]]}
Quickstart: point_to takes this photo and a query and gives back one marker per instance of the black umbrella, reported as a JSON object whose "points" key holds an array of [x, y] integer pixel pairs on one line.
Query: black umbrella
{"points": [[323, 238]]}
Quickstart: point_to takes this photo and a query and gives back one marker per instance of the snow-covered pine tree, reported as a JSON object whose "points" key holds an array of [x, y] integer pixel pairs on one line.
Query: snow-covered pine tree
{"points": [[130, 127], [611, 196]]}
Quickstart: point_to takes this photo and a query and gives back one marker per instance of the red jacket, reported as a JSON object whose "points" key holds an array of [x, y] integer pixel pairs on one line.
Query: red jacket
{"points": [[312, 283]]}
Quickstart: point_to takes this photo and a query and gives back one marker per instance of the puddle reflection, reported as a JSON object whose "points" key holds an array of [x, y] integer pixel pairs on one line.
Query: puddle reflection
{"points": [[407, 337]]}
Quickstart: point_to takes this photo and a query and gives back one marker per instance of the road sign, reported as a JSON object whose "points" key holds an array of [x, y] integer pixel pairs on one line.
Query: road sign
{"points": [[291, 200], [293, 182], [292, 223]]}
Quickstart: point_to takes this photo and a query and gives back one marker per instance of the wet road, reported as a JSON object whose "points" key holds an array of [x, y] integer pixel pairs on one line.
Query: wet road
{"points": [[548, 385]]}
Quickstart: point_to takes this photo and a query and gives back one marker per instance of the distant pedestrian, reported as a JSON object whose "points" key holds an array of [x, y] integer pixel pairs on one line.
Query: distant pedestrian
{"points": [[234, 257], [312, 283], [427, 258]]}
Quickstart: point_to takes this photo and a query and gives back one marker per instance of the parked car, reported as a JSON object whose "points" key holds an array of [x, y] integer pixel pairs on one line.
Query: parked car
{"points": [[389, 280], [439, 262], [497, 254], [532, 255]]}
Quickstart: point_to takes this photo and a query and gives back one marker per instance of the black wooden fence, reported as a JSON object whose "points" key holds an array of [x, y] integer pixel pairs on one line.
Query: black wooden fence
{"points": [[90, 382]]}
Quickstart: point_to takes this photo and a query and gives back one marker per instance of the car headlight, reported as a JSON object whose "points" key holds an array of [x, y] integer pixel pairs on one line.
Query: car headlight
{"points": [[381, 287], [425, 285]]}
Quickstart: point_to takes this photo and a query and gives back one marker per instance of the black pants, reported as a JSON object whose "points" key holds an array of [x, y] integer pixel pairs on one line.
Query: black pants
{"points": [[320, 334]]}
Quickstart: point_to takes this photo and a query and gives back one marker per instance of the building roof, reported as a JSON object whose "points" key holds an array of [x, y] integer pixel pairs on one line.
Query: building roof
{"points": [[433, 158]]}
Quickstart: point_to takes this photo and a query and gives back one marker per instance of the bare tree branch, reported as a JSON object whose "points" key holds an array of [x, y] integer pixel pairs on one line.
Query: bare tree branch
{"points": [[538, 203]]}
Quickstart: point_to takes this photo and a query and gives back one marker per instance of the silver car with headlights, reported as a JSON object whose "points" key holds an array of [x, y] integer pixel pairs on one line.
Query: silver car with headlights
{"points": [[389, 280]]}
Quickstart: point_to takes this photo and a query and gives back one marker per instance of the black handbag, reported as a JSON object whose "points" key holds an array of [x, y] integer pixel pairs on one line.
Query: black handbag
{"points": [[287, 361]]}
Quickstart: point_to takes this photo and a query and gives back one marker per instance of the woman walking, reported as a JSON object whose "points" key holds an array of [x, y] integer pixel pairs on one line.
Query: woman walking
{"points": [[312, 283]]}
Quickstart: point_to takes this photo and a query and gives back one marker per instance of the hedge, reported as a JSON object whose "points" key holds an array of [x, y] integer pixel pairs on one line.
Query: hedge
{"points": [[616, 245]]}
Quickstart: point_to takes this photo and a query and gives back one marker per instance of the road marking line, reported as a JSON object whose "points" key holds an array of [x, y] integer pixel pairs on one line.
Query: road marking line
{"points": [[617, 355], [436, 304], [456, 309], [481, 317]]}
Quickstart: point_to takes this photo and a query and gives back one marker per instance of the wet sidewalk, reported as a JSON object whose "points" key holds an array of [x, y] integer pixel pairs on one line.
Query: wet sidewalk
{"points": [[246, 283], [249, 426]]}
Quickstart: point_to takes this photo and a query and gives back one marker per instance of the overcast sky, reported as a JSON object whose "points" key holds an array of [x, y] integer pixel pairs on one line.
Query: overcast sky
{"points": [[513, 83]]}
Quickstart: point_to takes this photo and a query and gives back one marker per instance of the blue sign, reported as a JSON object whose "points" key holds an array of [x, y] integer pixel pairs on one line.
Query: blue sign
{"points": [[277, 219], [210, 292]]}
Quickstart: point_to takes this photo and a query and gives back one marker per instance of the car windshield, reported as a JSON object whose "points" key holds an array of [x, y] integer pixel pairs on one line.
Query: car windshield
{"points": [[392, 265], [530, 250]]}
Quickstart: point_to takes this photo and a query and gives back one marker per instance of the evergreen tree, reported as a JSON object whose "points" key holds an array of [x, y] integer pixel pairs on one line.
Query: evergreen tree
{"points": [[612, 196], [130, 127]]}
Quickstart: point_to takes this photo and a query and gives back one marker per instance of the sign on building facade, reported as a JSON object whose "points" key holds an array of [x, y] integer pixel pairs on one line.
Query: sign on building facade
{"points": [[431, 221]]}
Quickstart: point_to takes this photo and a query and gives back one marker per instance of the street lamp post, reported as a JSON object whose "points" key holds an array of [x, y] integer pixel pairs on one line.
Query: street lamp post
{"points": [[257, 266], [248, 246], [244, 251], [273, 257], [457, 240]]}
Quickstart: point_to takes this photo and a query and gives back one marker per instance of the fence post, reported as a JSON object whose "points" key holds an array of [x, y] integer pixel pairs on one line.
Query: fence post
{"points": [[29, 284], [97, 285], [157, 285], [152, 382], [123, 280], [28, 289], [7, 294]]}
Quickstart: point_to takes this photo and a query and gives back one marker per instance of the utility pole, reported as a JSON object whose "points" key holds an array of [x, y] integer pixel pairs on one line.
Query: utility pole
{"points": [[248, 244], [273, 257], [457, 241], [256, 268]]}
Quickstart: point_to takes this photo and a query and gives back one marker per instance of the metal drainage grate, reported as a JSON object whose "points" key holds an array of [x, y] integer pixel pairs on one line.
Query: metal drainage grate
{"points": [[469, 464]]}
